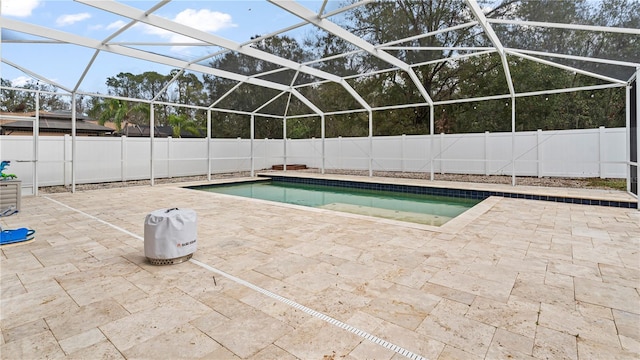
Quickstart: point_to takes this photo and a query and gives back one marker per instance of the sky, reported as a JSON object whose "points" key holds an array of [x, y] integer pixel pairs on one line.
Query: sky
{"points": [[233, 20]]}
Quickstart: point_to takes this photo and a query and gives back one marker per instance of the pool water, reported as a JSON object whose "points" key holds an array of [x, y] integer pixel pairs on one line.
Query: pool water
{"points": [[421, 209]]}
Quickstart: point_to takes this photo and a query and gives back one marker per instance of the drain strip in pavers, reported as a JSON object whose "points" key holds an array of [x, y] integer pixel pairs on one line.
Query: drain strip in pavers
{"points": [[319, 315]]}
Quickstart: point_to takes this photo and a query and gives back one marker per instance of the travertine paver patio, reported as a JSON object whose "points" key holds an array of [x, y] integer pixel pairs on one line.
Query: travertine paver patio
{"points": [[515, 279]]}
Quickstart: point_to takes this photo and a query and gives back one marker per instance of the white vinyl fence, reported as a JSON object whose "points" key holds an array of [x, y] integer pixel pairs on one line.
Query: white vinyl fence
{"points": [[568, 153]]}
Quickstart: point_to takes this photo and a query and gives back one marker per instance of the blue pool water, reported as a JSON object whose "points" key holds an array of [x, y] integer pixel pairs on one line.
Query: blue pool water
{"points": [[422, 209]]}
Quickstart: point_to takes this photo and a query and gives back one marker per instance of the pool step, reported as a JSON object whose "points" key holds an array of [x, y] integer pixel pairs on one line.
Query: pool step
{"points": [[426, 219]]}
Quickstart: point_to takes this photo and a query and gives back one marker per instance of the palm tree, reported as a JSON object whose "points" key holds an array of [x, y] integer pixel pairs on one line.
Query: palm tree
{"points": [[118, 111], [182, 122]]}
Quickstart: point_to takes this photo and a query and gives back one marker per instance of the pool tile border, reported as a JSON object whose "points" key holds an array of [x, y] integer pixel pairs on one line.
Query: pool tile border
{"points": [[440, 191]]}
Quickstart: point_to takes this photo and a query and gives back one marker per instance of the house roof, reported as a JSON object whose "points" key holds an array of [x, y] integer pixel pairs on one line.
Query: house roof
{"points": [[59, 121]]}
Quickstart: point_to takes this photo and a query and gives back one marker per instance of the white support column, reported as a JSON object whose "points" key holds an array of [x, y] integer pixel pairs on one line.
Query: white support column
{"points": [[208, 144], [65, 141], [513, 141], [284, 142], [637, 140], [486, 153], [36, 141], [539, 152], [340, 155], [370, 143], [441, 152], [151, 137], [252, 130], [601, 154], [432, 139], [322, 134], [403, 139], [169, 138], [73, 146], [123, 158]]}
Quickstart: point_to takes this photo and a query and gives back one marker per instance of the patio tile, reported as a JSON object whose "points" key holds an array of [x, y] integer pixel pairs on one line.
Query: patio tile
{"points": [[459, 331], [591, 350], [606, 294], [508, 345], [271, 352], [246, 334], [314, 340], [628, 324], [517, 316], [137, 328], [25, 330], [588, 329], [552, 344], [82, 340], [472, 284], [70, 323], [104, 348], [33, 347], [185, 341]]}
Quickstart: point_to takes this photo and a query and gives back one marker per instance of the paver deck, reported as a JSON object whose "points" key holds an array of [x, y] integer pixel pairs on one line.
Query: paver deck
{"points": [[513, 278]]}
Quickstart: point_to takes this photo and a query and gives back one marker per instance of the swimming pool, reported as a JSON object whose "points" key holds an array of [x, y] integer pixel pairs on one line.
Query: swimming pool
{"points": [[415, 208]]}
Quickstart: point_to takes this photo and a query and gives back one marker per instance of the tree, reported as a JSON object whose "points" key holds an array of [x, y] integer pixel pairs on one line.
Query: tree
{"points": [[25, 101], [120, 112], [182, 122], [249, 97]]}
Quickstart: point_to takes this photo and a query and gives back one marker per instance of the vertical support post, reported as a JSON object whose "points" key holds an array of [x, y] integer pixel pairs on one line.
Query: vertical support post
{"points": [[432, 138], [601, 154], [151, 137], [637, 116], [123, 158], [340, 156], [65, 140], [169, 138], [370, 143], [628, 137], [441, 152], [486, 153], [252, 128], [74, 145], [322, 134], [513, 141], [208, 144], [402, 145], [637, 145], [284, 142], [36, 142], [539, 152]]}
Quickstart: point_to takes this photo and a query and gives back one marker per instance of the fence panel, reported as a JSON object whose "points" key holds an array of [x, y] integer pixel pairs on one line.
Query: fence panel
{"points": [[567, 153]]}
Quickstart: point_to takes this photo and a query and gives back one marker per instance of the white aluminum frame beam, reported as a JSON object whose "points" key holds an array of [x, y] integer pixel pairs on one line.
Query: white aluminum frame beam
{"points": [[488, 30], [130, 52], [574, 57], [311, 17], [630, 31], [568, 68], [36, 76], [166, 24]]}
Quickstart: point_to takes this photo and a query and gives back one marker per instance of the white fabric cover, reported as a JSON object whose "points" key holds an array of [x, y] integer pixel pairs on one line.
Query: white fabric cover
{"points": [[170, 233]]}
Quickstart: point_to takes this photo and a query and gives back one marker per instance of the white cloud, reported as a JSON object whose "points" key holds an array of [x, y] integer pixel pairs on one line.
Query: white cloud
{"points": [[116, 25], [19, 8], [204, 20], [20, 81], [71, 19]]}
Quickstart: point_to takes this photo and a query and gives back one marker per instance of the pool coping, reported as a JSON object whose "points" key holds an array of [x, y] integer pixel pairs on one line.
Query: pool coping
{"points": [[465, 190]]}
